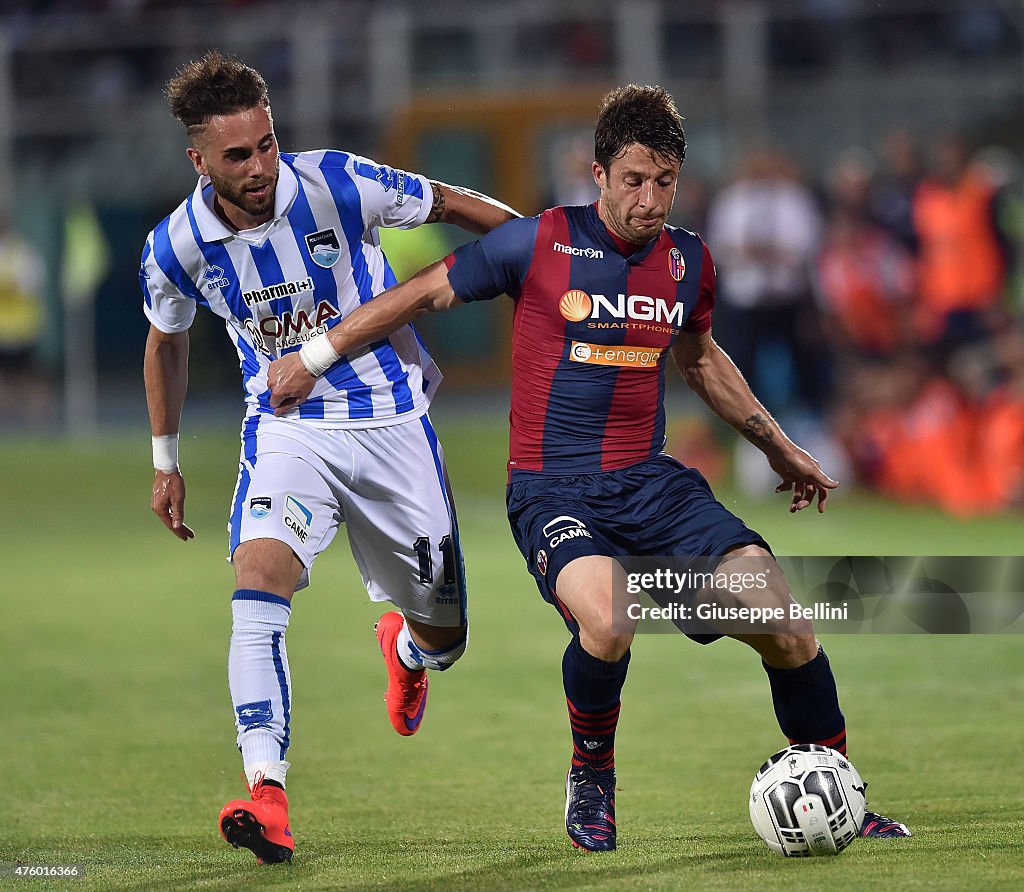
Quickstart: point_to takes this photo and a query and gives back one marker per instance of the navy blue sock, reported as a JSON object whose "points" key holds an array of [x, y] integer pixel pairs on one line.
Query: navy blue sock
{"points": [[807, 703], [592, 689]]}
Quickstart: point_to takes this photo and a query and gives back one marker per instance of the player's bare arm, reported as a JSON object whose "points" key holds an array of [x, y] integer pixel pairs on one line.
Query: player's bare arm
{"points": [[713, 376], [165, 369], [469, 210], [291, 378]]}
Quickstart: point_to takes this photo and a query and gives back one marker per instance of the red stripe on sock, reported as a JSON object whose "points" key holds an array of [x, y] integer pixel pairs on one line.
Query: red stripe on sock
{"points": [[594, 728], [599, 762], [837, 743], [605, 713], [831, 740]]}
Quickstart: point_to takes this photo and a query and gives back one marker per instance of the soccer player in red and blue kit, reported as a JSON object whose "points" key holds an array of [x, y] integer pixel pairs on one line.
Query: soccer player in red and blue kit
{"points": [[603, 295]]}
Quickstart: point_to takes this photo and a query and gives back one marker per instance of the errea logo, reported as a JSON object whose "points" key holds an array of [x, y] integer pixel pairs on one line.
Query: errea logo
{"points": [[389, 179], [589, 253]]}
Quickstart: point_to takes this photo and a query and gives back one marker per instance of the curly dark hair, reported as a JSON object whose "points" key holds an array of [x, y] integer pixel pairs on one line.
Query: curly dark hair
{"points": [[216, 84], [639, 114]]}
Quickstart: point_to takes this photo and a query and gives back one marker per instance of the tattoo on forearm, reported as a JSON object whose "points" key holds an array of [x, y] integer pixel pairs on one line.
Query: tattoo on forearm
{"points": [[437, 209], [758, 429]]}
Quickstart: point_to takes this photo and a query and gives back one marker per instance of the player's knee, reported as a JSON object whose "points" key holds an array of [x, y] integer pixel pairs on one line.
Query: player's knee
{"points": [[790, 651], [606, 642], [615, 647], [445, 657], [267, 565]]}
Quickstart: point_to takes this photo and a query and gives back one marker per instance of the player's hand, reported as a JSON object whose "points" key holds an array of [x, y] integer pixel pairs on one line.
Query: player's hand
{"points": [[801, 473], [290, 383], [168, 503]]}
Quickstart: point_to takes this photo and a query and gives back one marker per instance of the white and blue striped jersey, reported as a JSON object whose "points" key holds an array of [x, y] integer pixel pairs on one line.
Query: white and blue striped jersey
{"points": [[296, 276]]}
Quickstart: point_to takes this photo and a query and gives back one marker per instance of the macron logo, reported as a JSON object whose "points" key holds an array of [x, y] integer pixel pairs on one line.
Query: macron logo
{"points": [[589, 253]]}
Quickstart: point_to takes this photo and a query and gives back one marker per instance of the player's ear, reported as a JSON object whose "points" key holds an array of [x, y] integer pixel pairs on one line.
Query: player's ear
{"points": [[196, 157], [600, 177]]}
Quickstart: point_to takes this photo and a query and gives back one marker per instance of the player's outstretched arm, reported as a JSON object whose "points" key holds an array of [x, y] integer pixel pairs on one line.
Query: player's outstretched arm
{"points": [[469, 210], [713, 376], [292, 377], [165, 369]]}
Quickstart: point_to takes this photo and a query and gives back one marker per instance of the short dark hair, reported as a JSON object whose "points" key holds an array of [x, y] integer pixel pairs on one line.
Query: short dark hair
{"points": [[216, 84], [639, 114]]}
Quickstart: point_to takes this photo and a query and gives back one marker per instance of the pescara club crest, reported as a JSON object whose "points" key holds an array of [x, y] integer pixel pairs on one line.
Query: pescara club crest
{"points": [[259, 507], [324, 247]]}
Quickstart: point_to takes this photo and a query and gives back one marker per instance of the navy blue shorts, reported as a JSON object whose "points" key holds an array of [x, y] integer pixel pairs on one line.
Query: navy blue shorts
{"points": [[657, 508]]}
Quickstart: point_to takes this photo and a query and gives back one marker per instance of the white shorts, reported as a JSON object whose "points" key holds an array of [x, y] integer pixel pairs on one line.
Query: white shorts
{"points": [[388, 485]]}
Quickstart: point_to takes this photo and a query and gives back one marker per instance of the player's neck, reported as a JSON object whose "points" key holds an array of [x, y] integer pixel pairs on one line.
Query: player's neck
{"points": [[238, 220], [626, 248]]}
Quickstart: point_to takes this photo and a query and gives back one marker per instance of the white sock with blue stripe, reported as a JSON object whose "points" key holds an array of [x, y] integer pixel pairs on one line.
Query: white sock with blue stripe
{"points": [[259, 679], [414, 657], [408, 652]]}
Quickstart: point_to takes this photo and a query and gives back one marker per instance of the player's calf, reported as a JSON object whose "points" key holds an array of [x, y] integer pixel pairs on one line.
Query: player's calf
{"points": [[422, 646], [440, 658]]}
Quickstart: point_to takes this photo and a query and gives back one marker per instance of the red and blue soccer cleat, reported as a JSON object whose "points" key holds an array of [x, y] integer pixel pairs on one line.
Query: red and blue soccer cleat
{"points": [[259, 824], [590, 808], [406, 696], [881, 827]]}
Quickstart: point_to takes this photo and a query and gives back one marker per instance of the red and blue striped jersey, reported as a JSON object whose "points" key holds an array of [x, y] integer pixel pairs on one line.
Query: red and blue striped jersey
{"points": [[591, 334]]}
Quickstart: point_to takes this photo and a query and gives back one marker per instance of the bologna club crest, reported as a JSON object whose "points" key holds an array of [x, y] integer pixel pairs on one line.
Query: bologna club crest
{"points": [[676, 265], [542, 561], [324, 247]]}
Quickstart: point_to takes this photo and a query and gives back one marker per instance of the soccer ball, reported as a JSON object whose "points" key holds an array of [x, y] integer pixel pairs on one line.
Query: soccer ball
{"points": [[807, 800]]}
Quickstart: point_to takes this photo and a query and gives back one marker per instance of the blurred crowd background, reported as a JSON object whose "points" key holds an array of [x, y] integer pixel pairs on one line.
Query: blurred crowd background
{"points": [[855, 168]]}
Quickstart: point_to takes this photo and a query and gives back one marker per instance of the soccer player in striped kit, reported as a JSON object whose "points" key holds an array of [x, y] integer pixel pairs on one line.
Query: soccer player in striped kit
{"points": [[604, 294], [282, 246]]}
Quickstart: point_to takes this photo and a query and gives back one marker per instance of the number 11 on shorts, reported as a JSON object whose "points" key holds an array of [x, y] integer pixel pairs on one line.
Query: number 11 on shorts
{"points": [[422, 549]]}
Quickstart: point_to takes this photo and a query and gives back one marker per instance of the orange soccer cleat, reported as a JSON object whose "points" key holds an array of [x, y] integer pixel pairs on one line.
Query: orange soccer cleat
{"points": [[406, 697], [259, 823]]}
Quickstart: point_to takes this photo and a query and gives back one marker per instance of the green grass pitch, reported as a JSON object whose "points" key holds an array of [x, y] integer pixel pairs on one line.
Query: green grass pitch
{"points": [[118, 728]]}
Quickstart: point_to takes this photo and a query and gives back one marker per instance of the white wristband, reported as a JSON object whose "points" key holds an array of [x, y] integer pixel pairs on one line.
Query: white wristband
{"points": [[318, 355], [165, 453]]}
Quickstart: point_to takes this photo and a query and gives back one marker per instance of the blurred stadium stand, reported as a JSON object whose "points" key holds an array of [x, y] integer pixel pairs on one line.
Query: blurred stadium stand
{"points": [[488, 94]]}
